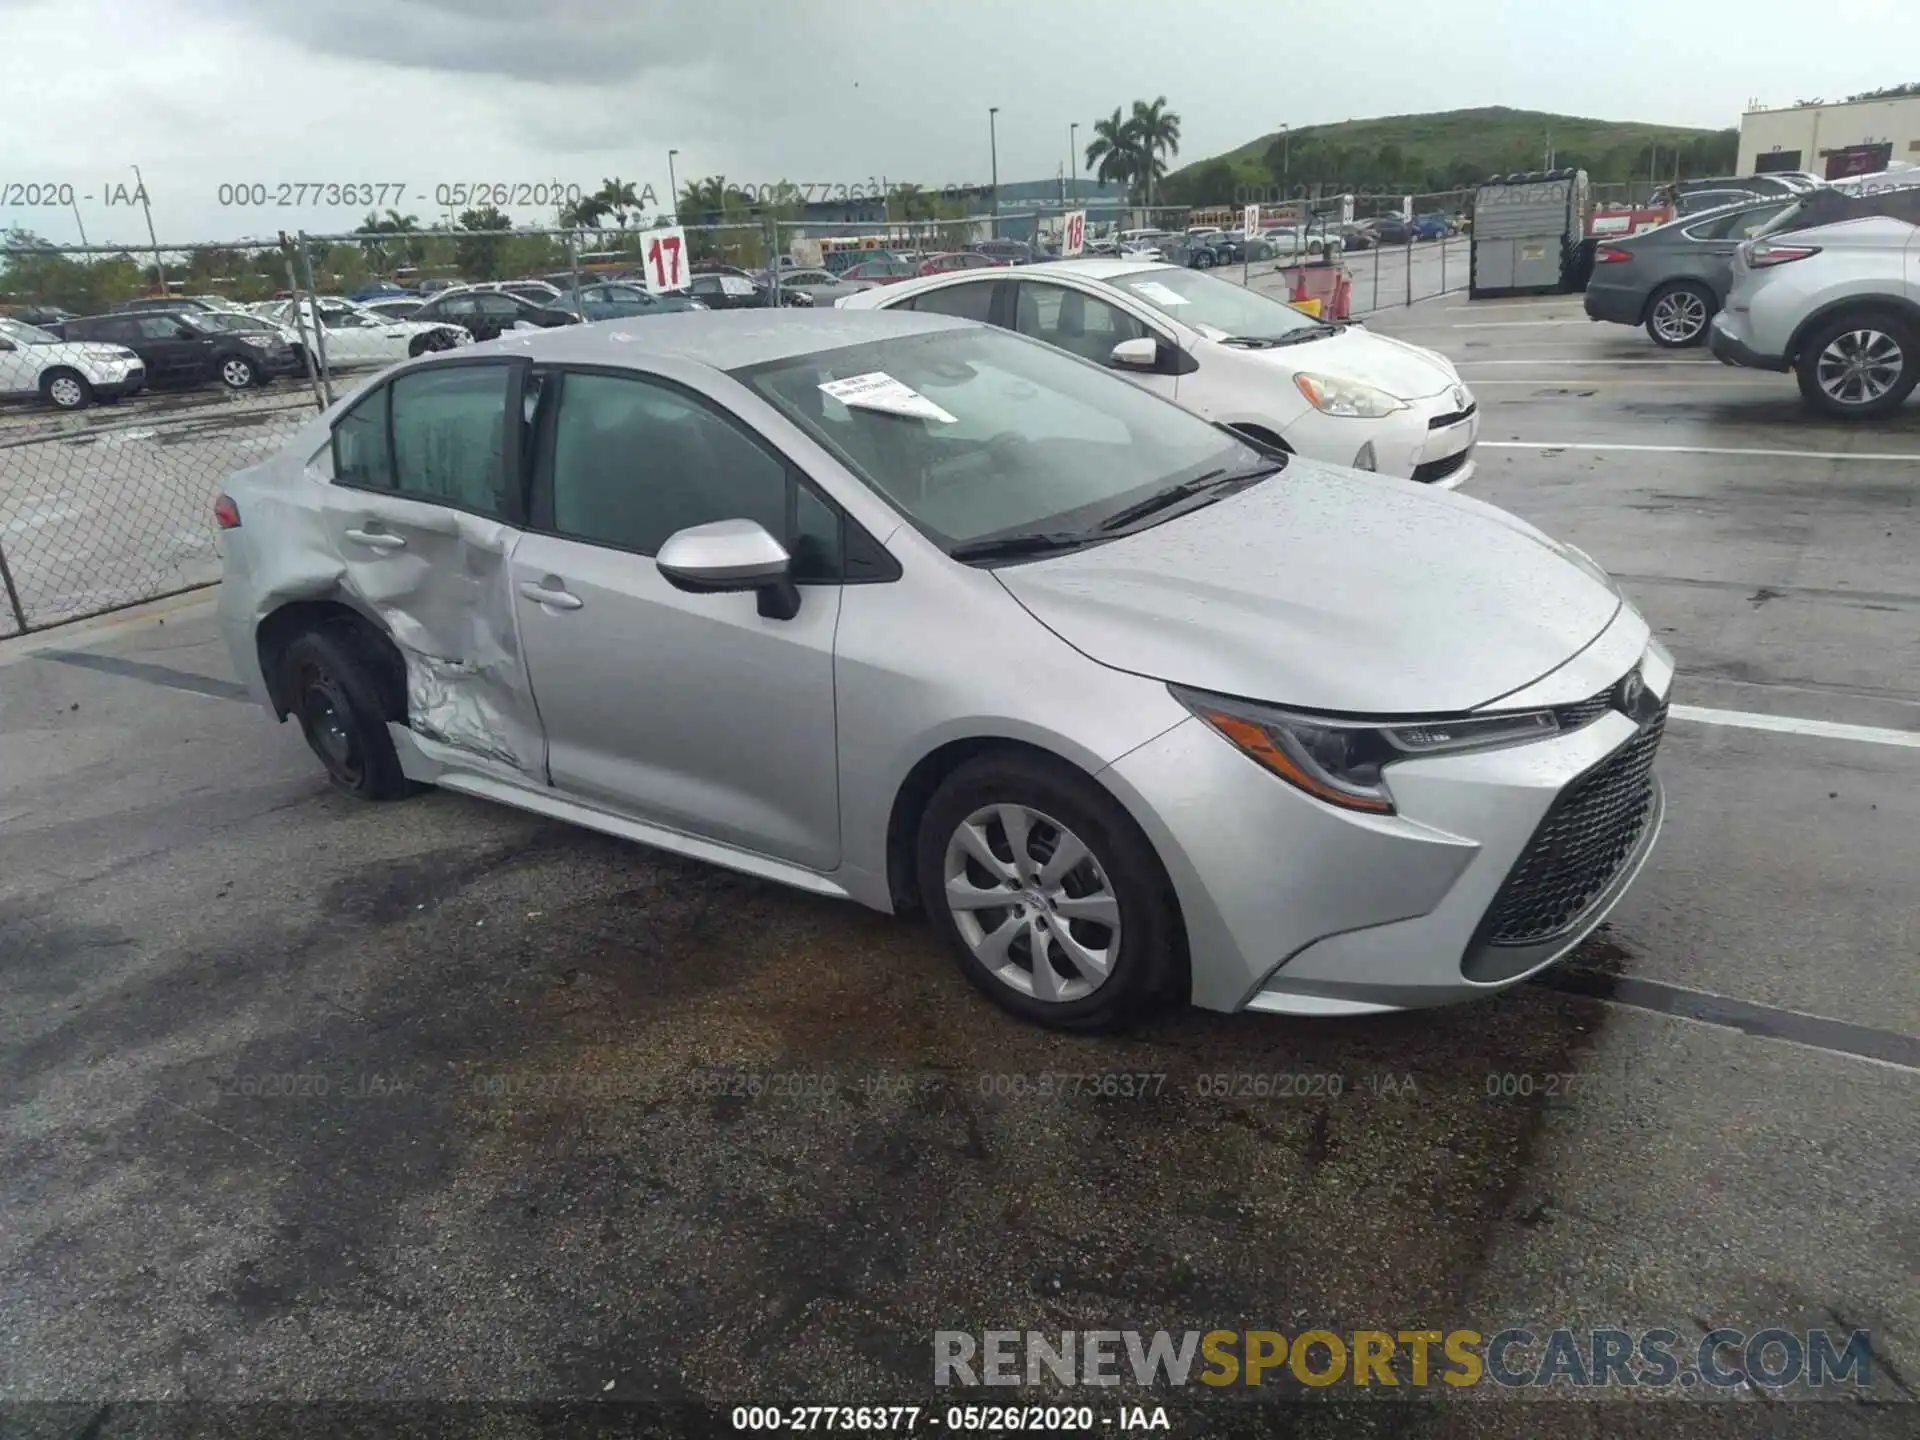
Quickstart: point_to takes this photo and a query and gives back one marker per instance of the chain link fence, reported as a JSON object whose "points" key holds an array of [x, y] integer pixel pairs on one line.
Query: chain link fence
{"points": [[111, 505]]}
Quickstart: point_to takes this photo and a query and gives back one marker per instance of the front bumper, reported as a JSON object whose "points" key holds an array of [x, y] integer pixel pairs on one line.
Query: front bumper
{"points": [[1728, 340], [1296, 907], [1430, 442], [118, 382]]}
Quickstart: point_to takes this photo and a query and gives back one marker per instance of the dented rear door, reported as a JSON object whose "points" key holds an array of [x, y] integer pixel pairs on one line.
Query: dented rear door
{"points": [[425, 507]]}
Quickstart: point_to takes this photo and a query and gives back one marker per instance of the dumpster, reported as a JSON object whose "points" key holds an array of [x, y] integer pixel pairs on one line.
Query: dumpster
{"points": [[1528, 232]]}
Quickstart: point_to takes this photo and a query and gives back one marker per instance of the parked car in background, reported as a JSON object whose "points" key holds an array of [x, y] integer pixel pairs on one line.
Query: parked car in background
{"points": [[437, 284], [1007, 252], [1674, 278], [1140, 714], [238, 322], [175, 302], [881, 270], [739, 292], [1390, 230], [1335, 392], [396, 308], [538, 291], [488, 314], [822, 287], [1208, 248], [1353, 237], [179, 348], [946, 262], [1830, 290], [38, 315], [617, 301], [356, 335], [67, 374], [1431, 227], [1696, 197]]}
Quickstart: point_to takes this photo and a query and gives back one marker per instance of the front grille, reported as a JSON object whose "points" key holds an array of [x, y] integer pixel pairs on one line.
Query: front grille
{"points": [[1579, 848], [1585, 712], [1441, 422], [1436, 470]]}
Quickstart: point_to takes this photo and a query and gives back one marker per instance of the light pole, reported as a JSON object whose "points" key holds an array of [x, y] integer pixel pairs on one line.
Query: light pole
{"points": [[1286, 163], [673, 189], [1073, 155], [140, 187], [993, 153]]}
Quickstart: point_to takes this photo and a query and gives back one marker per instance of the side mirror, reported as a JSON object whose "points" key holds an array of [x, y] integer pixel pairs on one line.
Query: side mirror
{"points": [[731, 555], [1139, 354]]}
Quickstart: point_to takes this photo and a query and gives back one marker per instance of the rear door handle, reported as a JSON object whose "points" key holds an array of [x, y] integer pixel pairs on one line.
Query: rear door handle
{"points": [[558, 599], [377, 539]]}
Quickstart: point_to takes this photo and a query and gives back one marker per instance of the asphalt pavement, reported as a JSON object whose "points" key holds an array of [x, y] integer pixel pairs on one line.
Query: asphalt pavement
{"points": [[310, 1101]]}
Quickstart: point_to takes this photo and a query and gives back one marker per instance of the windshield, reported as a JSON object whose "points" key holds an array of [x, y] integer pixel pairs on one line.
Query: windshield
{"points": [[976, 432], [22, 333], [1216, 308]]}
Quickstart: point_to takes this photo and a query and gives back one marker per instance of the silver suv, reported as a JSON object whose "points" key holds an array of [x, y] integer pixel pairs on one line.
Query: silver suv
{"points": [[1831, 291]]}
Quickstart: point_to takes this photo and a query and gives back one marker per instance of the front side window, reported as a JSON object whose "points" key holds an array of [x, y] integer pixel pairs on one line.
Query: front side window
{"points": [[974, 432], [22, 333], [497, 306], [1078, 323], [634, 461], [449, 436]]}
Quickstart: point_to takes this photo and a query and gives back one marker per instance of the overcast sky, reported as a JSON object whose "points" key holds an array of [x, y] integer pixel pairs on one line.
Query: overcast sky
{"points": [[425, 92]]}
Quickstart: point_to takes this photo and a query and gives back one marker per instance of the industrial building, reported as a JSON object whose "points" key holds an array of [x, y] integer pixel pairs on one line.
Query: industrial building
{"points": [[1856, 137]]}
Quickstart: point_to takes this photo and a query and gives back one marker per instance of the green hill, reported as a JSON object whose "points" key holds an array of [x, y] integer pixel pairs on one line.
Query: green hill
{"points": [[1447, 150]]}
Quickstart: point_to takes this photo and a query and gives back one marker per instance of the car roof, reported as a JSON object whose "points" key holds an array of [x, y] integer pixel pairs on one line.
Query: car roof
{"points": [[722, 339]]}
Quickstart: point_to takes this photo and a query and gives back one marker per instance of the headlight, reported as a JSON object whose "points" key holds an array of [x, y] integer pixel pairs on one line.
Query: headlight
{"points": [[110, 355], [1343, 762], [1333, 396]]}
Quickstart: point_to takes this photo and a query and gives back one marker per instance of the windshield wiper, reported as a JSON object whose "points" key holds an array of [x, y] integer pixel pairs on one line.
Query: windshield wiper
{"points": [[1214, 480], [1020, 542]]}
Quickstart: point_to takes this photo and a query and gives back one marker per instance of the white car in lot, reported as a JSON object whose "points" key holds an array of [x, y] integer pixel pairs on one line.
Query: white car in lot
{"points": [[68, 374], [356, 335], [1329, 391]]}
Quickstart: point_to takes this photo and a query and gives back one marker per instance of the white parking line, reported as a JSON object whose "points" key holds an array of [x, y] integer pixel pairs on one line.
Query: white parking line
{"points": [[1597, 364], [1500, 324], [1795, 725], [1884, 455]]}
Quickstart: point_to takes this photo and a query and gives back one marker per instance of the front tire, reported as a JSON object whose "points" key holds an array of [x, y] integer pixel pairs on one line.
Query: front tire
{"points": [[238, 373], [66, 390], [335, 696], [1052, 899], [1678, 317], [1859, 365]]}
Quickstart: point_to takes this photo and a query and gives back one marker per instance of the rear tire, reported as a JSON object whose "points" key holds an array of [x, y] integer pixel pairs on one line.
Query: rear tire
{"points": [[335, 695], [1859, 365], [1680, 314], [1131, 958]]}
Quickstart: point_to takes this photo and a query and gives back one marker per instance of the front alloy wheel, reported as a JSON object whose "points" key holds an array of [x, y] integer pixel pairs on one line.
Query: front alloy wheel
{"points": [[1032, 903], [236, 374], [68, 392]]}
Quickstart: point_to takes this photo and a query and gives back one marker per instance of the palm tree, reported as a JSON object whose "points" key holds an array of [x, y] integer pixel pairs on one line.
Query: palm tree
{"points": [[586, 213], [1156, 136], [617, 198], [1112, 155], [705, 201]]}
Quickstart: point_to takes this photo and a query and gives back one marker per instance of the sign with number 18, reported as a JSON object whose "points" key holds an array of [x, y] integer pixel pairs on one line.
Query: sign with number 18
{"points": [[666, 257], [1074, 240]]}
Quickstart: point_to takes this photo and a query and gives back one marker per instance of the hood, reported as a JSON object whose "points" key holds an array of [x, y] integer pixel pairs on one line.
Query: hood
{"points": [[1331, 590], [1404, 371]]}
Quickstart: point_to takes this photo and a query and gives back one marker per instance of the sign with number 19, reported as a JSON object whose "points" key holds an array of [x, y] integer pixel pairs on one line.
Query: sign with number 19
{"points": [[666, 257]]}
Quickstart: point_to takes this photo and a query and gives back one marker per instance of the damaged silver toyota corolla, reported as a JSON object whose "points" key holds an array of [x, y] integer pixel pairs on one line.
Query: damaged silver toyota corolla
{"points": [[925, 614]]}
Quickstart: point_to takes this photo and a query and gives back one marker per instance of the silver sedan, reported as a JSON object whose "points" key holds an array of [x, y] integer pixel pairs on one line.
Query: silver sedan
{"points": [[931, 616]]}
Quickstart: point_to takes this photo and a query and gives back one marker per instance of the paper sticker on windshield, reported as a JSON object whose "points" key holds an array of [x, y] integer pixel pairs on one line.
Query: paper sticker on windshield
{"points": [[1158, 293], [880, 391]]}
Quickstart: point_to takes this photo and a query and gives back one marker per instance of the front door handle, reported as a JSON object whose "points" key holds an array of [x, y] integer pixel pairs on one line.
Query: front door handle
{"points": [[377, 539], [558, 599]]}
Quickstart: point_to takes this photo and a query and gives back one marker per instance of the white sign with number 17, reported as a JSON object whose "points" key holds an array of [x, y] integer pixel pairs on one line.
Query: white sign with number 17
{"points": [[666, 257]]}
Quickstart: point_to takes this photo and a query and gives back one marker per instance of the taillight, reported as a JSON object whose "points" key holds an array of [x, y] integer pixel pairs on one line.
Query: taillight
{"points": [[1760, 254], [226, 513], [1611, 255]]}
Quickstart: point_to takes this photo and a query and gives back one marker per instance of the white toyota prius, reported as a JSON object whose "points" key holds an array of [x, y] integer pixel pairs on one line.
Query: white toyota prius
{"points": [[1331, 391]]}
